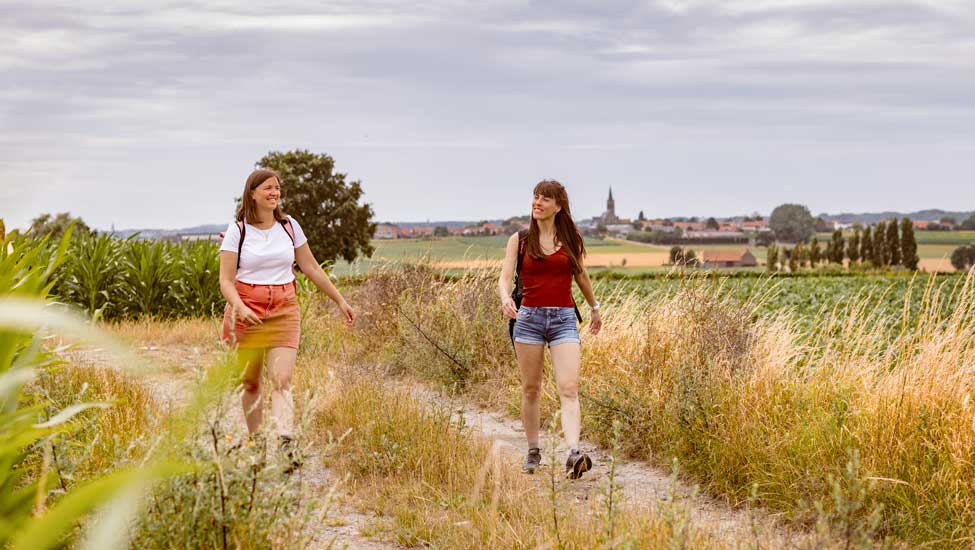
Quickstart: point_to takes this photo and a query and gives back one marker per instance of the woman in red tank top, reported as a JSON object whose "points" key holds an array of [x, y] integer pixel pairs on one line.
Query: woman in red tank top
{"points": [[551, 254]]}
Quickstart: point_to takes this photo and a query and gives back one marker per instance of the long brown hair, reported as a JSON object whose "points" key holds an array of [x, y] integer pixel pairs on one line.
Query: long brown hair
{"points": [[247, 211], [567, 235]]}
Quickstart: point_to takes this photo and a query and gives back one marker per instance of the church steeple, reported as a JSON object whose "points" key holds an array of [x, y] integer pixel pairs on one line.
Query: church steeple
{"points": [[610, 203]]}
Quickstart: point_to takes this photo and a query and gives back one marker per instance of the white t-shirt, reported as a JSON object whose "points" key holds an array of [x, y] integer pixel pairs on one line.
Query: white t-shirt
{"points": [[267, 254]]}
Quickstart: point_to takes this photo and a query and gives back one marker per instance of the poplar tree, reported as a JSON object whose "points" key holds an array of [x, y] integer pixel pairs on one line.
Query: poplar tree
{"points": [[793, 264], [853, 247], [893, 243], [878, 245], [772, 258], [866, 245], [908, 245], [836, 254], [815, 255]]}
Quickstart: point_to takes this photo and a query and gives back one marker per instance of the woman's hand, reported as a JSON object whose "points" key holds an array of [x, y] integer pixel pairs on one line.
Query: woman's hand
{"points": [[347, 313], [247, 316], [596, 322], [509, 308]]}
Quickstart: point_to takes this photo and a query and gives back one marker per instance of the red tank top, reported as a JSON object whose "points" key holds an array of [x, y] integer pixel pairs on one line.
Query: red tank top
{"points": [[547, 282]]}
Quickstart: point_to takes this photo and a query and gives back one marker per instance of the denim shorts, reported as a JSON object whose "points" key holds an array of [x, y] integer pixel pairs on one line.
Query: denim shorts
{"points": [[546, 325]]}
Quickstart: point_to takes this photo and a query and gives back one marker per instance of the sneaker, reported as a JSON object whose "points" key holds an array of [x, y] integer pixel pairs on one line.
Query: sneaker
{"points": [[577, 464], [532, 461], [287, 444]]}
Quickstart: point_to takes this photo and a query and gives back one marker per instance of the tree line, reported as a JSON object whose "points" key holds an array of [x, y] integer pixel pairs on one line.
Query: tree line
{"points": [[887, 244]]}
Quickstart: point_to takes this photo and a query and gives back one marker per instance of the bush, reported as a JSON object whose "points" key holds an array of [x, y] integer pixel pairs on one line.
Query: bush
{"points": [[963, 258]]}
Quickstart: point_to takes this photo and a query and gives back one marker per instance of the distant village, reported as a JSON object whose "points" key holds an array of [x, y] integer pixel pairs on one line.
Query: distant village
{"points": [[608, 223], [740, 229], [744, 231]]}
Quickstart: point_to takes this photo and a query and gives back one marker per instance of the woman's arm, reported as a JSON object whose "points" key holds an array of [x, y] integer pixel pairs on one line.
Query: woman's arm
{"points": [[585, 285], [228, 277], [310, 267], [507, 274]]}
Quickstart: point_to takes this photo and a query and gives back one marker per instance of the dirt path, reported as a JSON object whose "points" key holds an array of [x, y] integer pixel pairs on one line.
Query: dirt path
{"points": [[643, 485]]}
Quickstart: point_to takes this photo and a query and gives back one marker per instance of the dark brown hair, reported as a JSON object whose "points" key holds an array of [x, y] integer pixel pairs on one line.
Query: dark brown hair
{"points": [[247, 211], [567, 235]]}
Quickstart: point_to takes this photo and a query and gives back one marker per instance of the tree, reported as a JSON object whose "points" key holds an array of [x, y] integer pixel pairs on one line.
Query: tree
{"points": [[792, 223], [793, 261], [836, 255], [764, 238], [853, 247], [963, 258], [893, 243], [866, 245], [948, 221], [801, 254], [56, 226], [815, 255], [969, 223], [908, 245], [676, 254], [712, 224], [640, 217], [878, 246], [441, 231], [324, 203], [690, 258], [772, 258], [823, 226]]}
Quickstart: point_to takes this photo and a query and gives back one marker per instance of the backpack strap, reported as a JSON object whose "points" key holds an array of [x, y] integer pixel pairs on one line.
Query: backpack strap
{"points": [[516, 292], [240, 241], [289, 229], [522, 239]]}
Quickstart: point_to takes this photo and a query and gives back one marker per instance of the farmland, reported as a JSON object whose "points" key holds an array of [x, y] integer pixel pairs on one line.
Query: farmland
{"points": [[786, 393], [934, 247]]}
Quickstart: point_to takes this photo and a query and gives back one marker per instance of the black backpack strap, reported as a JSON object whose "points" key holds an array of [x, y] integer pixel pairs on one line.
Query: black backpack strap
{"points": [[240, 242], [516, 292]]}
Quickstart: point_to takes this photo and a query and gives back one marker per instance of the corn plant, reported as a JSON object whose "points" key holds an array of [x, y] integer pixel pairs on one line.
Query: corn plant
{"points": [[148, 274], [198, 288], [27, 520], [90, 277]]}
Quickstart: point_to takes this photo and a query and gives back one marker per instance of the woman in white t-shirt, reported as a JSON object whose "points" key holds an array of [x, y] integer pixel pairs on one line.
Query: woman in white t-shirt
{"points": [[262, 317]]}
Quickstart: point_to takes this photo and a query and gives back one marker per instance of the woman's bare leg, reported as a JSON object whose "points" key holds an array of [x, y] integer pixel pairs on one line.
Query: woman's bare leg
{"points": [[281, 367], [252, 361], [531, 358], [565, 362]]}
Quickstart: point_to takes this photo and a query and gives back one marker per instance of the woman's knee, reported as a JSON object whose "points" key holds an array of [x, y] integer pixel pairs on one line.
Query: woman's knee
{"points": [[531, 391], [251, 384], [281, 381], [569, 390]]}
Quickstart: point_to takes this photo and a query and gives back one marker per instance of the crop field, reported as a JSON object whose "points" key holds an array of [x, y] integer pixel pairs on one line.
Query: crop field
{"points": [[806, 298], [934, 248]]}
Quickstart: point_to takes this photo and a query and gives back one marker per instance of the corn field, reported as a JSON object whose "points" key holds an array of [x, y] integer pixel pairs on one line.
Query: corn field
{"points": [[114, 278]]}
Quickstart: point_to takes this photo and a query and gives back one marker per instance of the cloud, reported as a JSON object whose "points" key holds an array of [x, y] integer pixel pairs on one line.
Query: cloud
{"points": [[533, 84]]}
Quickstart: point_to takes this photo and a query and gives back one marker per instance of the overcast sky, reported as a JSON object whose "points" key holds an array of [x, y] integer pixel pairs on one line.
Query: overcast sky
{"points": [[151, 114]]}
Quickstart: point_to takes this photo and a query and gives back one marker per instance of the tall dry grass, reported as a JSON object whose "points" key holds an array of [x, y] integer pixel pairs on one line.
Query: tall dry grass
{"points": [[442, 487], [750, 404]]}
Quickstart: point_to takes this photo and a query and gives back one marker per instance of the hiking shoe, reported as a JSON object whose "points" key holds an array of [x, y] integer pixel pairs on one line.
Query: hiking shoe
{"points": [[577, 464], [532, 461], [286, 443]]}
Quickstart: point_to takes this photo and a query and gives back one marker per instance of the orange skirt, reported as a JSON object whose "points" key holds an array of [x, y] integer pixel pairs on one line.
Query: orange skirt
{"points": [[276, 306]]}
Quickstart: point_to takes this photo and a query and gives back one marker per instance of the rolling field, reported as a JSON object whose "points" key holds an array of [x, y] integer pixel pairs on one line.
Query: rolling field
{"points": [[934, 248]]}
